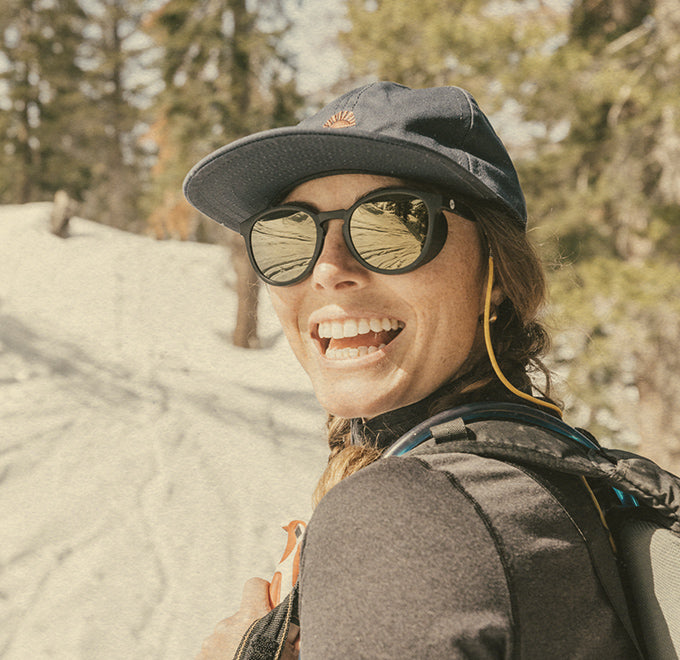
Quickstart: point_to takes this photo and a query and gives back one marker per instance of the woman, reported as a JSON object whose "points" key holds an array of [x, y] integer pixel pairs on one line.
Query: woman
{"points": [[390, 227]]}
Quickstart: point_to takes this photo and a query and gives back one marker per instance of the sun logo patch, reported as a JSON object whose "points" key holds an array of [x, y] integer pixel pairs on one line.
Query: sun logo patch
{"points": [[342, 119]]}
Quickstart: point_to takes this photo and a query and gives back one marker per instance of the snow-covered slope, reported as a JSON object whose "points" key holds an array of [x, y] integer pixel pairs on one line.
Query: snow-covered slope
{"points": [[145, 463]]}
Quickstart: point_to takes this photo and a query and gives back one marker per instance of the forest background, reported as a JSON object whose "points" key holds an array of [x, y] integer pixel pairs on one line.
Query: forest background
{"points": [[113, 101]]}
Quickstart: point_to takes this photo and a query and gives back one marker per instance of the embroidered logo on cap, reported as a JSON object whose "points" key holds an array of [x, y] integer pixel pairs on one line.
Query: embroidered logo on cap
{"points": [[341, 120]]}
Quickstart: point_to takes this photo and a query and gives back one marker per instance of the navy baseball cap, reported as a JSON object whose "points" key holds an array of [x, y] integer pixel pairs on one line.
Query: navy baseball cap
{"points": [[435, 135]]}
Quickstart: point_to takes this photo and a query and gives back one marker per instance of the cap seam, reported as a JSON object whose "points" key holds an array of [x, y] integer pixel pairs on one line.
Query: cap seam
{"points": [[468, 97], [360, 94]]}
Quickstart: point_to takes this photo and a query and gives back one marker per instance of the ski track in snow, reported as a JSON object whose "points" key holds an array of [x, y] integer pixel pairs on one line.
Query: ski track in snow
{"points": [[146, 464]]}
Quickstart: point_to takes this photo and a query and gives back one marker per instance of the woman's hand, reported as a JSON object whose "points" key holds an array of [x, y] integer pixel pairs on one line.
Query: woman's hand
{"points": [[222, 644]]}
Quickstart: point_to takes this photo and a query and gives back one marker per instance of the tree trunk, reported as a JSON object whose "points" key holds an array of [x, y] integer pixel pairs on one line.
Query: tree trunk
{"points": [[247, 289], [62, 210], [247, 282]]}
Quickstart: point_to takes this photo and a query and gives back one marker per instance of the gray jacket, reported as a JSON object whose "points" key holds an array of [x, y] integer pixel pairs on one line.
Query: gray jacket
{"points": [[448, 554]]}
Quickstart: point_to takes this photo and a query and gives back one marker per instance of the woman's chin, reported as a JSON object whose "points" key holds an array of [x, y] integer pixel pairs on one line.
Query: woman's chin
{"points": [[349, 412], [358, 402]]}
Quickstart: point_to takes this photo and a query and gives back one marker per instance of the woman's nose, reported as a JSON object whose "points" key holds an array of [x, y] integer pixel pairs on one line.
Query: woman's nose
{"points": [[336, 268]]}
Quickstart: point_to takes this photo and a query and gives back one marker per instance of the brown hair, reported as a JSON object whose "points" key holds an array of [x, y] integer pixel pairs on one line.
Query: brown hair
{"points": [[519, 341]]}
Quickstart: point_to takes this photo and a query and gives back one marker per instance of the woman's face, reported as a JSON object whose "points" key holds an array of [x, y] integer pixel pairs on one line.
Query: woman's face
{"points": [[364, 370]]}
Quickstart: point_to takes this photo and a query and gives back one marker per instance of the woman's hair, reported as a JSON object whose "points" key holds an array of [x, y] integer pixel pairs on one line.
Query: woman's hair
{"points": [[518, 338]]}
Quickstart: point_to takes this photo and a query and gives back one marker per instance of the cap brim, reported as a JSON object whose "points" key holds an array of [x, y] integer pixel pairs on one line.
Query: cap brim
{"points": [[246, 176]]}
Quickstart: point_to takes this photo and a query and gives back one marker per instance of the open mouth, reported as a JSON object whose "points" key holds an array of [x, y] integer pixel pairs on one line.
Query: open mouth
{"points": [[354, 338]]}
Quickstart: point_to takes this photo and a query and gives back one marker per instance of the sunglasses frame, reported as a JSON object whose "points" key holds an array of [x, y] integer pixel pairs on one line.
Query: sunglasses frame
{"points": [[437, 230]]}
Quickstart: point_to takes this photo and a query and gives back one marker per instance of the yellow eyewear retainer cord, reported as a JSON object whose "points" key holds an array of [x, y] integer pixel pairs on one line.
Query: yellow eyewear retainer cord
{"points": [[492, 356], [524, 395]]}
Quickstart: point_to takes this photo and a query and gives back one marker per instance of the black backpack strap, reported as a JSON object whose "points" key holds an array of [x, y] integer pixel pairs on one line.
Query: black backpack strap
{"points": [[543, 446], [578, 502], [265, 638], [523, 434], [651, 485]]}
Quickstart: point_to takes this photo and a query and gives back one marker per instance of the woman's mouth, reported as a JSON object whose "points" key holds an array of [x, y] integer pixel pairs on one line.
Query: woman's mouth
{"points": [[354, 338]]}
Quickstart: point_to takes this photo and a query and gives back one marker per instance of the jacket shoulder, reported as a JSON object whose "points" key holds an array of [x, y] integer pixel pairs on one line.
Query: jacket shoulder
{"points": [[485, 543]]}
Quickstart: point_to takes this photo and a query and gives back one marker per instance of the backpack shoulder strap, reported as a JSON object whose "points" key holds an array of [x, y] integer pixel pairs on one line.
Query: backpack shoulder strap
{"points": [[515, 432], [520, 434], [266, 637]]}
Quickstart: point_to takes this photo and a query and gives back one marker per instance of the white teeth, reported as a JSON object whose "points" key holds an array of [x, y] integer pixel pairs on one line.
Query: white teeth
{"points": [[350, 328], [350, 353], [354, 327], [337, 330]]}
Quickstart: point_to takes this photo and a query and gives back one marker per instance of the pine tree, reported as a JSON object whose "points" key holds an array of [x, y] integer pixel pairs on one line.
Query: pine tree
{"points": [[475, 44], [114, 58], [73, 109], [611, 192], [41, 149], [225, 76]]}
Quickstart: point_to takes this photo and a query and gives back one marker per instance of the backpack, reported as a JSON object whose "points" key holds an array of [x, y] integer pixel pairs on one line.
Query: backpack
{"points": [[639, 501]]}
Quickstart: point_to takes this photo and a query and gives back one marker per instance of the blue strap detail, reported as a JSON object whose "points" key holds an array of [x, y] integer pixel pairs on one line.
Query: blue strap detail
{"points": [[513, 412]]}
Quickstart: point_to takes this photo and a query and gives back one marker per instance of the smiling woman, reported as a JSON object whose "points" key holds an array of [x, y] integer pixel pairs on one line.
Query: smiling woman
{"points": [[434, 309], [391, 230]]}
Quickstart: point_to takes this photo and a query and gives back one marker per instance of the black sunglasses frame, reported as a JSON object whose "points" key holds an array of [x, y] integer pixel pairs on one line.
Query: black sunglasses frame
{"points": [[434, 239]]}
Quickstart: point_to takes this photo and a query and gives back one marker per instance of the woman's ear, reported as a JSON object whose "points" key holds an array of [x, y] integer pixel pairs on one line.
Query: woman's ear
{"points": [[497, 293], [497, 297]]}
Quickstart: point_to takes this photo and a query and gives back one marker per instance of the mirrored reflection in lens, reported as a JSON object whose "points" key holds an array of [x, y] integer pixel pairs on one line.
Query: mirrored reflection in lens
{"points": [[390, 233], [284, 245]]}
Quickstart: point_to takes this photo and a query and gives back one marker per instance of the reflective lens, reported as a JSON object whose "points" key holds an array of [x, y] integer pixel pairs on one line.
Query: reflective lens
{"points": [[283, 246], [389, 233]]}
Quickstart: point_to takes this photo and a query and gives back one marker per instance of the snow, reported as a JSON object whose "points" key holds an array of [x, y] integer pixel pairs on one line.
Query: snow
{"points": [[146, 464]]}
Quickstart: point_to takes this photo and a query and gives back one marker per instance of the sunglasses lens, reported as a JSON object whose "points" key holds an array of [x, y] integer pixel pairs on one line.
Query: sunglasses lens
{"points": [[283, 244], [389, 233]]}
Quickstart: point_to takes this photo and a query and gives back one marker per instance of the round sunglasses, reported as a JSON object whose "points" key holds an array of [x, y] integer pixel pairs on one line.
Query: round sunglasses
{"points": [[389, 231]]}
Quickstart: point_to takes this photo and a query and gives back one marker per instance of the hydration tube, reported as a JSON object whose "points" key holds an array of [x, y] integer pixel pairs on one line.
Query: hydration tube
{"points": [[472, 412]]}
